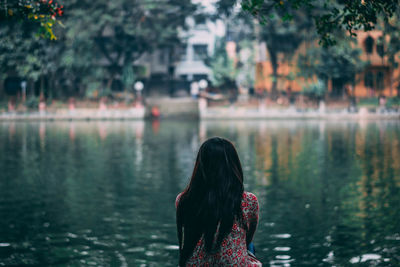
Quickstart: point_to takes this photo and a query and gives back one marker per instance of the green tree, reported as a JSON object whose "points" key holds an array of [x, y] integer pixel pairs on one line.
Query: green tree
{"points": [[283, 36], [42, 13], [239, 29], [100, 43], [339, 63], [389, 44], [246, 64], [224, 71], [335, 15], [282, 31], [121, 31], [26, 54]]}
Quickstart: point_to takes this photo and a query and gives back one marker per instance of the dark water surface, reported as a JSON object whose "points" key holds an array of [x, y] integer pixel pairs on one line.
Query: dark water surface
{"points": [[102, 193]]}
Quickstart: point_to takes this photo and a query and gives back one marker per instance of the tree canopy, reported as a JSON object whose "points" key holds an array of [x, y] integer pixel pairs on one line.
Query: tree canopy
{"points": [[329, 16], [43, 14], [99, 42]]}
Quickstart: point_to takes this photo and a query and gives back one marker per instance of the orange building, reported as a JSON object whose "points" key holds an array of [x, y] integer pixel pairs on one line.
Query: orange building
{"points": [[378, 78], [287, 72]]}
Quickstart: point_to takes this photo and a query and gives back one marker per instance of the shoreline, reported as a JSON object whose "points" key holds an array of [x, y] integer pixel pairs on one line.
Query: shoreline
{"points": [[77, 114], [188, 108], [216, 114], [273, 114]]}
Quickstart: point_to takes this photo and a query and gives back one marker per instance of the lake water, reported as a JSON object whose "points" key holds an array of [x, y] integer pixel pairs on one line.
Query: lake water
{"points": [[102, 193]]}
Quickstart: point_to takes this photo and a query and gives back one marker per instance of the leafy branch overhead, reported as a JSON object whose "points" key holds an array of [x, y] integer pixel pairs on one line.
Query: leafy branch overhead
{"points": [[43, 13], [329, 16]]}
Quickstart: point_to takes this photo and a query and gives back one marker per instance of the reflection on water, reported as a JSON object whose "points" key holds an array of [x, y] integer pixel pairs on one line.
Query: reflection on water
{"points": [[102, 193]]}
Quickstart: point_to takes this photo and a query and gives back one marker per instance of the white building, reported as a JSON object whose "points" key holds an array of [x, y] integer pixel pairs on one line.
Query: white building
{"points": [[200, 44], [199, 41]]}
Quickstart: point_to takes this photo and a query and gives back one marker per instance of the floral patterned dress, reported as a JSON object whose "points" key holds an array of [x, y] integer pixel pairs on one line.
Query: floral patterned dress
{"points": [[233, 251]]}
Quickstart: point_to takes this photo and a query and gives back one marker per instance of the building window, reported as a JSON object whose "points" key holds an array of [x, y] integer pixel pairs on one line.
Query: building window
{"points": [[380, 48], [200, 20], [369, 44], [380, 80], [198, 77], [183, 53], [161, 56], [369, 79], [200, 52]]}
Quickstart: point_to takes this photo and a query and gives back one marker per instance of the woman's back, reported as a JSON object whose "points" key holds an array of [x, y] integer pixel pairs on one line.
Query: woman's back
{"points": [[215, 218], [233, 249]]}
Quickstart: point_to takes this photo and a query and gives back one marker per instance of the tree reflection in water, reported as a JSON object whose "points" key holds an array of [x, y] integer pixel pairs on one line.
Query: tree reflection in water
{"points": [[80, 193]]}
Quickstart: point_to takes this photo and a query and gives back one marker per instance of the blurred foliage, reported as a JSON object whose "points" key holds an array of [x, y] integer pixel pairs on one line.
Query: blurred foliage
{"points": [[315, 90], [286, 25], [41, 13], [389, 42], [100, 41], [99, 44], [245, 65], [32, 103], [128, 77], [339, 62], [229, 73], [121, 31], [368, 102], [280, 34], [283, 36], [223, 68], [25, 53], [335, 15], [240, 69], [392, 102]]}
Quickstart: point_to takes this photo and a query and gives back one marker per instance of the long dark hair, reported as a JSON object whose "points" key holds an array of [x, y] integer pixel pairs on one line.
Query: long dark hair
{"points": [[213, 197]]}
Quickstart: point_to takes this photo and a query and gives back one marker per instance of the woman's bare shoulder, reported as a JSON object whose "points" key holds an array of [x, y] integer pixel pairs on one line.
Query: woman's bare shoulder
{"points": [[178, 197]]}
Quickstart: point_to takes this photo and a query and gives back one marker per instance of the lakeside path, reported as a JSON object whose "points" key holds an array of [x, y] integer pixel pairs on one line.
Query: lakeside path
{"points": [[212, 113], [245, 113], [77, 114]]}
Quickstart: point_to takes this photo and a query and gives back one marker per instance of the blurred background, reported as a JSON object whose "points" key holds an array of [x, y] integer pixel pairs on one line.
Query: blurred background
{"points": [[104, 104], [289, 52]]}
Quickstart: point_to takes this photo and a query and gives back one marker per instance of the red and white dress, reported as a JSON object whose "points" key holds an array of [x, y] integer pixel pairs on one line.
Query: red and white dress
{"points": [[233, 251]]}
